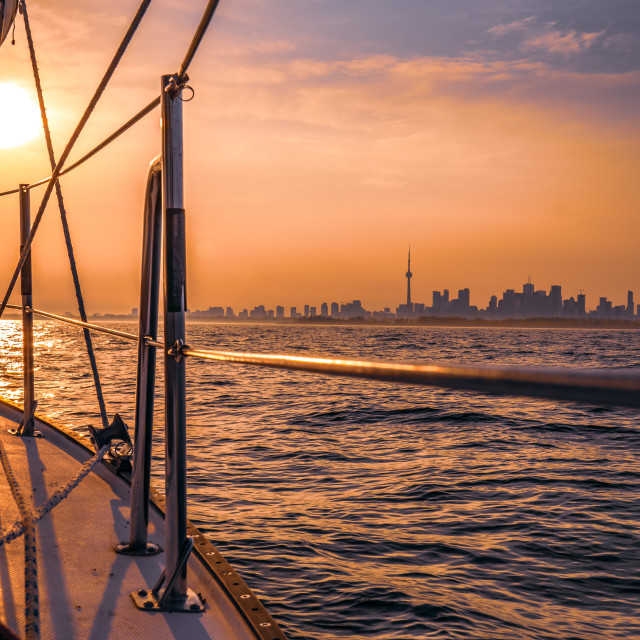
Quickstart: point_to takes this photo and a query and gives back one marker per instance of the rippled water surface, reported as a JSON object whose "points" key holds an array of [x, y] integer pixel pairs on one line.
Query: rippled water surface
{"points": [[358, 509]]}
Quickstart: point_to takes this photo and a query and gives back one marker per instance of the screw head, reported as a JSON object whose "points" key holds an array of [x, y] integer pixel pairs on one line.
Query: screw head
{"points": [[194, 607], [142, 593], [148, 604]]}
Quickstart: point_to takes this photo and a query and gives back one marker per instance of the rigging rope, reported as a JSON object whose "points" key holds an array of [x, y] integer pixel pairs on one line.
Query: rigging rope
{"points": [[74, 137], [27, 521], [186, 62], [107, 141], [197, 38], [16, 530], [63, 218]]}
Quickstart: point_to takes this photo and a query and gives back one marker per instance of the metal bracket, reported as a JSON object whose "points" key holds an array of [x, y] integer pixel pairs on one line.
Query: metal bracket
{"points": [[119, 457], [150, 600], [146, 601], [27, 419], [177, 350], [117, 430], [125, 549], [177, 83]]}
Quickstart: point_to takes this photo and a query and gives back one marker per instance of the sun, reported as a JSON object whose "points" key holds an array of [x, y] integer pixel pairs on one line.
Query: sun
{"points": [[19, 116]]}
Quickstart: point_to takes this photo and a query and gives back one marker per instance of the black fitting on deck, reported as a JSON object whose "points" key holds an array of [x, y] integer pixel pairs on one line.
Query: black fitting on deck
{"points": [[117, 430]]}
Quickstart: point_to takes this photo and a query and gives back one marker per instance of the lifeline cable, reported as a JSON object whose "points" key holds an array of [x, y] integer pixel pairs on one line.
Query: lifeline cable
{"points": [[8, 193], [74, 137], [63, 218]]}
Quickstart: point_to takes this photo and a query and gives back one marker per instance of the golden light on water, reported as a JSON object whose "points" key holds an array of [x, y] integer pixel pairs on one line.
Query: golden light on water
{"points": [[19, 116]]}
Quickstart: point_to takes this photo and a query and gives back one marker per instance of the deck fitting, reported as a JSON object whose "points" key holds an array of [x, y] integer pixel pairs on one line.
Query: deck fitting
{"points": [[145, 599], [16, 432], [126, 549]]}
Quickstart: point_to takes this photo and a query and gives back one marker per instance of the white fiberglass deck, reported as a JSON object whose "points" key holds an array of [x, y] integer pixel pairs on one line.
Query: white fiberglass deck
{"points": [[84, 585]]}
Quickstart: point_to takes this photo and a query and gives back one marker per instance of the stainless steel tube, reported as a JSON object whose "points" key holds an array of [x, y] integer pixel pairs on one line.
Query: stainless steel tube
{"points": [[603, 386], [26, 428], [145, 384], [174, 334], [79, 323]]}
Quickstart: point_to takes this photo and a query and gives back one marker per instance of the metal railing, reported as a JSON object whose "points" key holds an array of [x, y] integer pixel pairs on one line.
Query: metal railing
{"points": [[162, 211], [603, 387]]}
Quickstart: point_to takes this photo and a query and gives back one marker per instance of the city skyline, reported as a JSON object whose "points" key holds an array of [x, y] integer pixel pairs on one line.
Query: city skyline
{"points": [[529, 303]]}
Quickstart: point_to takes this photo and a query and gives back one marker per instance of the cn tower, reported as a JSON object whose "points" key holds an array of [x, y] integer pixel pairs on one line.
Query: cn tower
{"points": [[409, 276]]}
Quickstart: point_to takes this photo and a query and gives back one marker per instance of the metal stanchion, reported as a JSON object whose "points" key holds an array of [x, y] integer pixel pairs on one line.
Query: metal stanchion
{"points": [[145, 386], [26, 427], [176, 596]]}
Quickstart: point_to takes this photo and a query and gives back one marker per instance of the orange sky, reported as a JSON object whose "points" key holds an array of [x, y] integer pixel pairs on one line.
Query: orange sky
{"points": [[322, 141]]}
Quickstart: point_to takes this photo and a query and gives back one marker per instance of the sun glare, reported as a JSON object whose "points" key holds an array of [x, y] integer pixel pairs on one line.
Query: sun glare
{"points": [[19, 116]]}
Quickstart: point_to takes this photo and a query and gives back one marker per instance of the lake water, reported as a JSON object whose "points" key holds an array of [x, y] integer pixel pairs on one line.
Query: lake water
{"points": [[358, 509]]}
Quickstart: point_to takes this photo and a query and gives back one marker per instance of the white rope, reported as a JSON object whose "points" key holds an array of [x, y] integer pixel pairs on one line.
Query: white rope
{"points": [[15, 531], [63, 492], [26, 526], [31, 607]]}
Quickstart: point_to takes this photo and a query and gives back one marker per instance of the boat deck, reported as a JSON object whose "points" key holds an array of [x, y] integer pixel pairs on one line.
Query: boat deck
{"points": [[84, 586]]}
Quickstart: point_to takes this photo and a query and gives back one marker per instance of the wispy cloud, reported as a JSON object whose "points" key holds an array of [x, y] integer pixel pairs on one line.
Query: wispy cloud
{"points": [[518, 25], [622, 42], [341, 93], [263, 47], [567, 43], [549, 38]]}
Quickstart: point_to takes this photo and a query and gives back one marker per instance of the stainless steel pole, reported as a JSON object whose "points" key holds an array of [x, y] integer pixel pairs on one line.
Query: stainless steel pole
{"points": [[26, 428], [174, 335], [176, 596], [145, 385]]}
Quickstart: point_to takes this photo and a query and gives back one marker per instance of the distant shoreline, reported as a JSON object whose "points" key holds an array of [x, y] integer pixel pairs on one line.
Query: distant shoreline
{"points": [[479, 323], [532, 323], [425, 321]]}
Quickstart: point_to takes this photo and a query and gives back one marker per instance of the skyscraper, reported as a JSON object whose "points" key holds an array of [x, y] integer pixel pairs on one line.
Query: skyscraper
{"points": [[555, 296], [409, 276]]}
